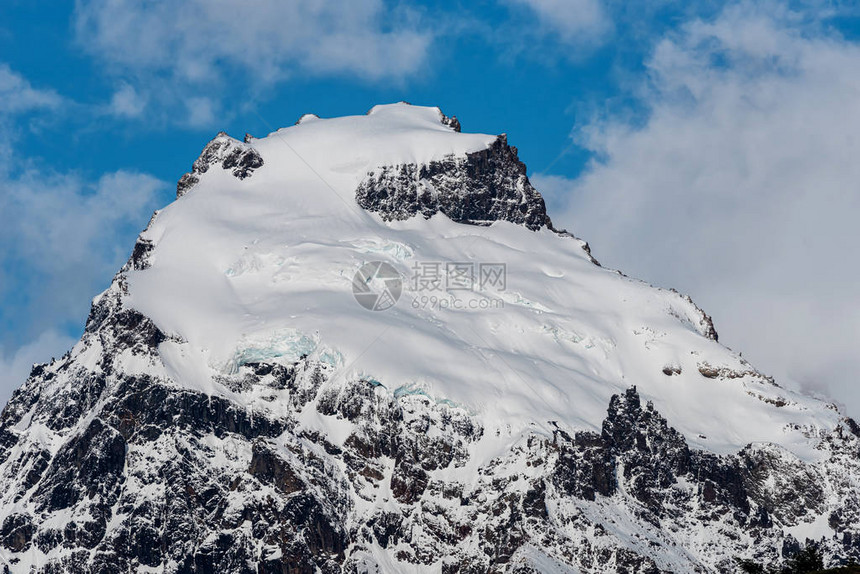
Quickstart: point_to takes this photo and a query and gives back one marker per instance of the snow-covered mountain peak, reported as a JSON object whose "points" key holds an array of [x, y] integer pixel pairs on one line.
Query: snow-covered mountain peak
{"points": [[359, 345], [259, 260], [389, 134]]}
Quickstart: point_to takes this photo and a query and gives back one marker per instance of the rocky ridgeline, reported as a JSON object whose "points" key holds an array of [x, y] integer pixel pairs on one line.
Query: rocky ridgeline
{"points": [[128, 471], [240, 158]]}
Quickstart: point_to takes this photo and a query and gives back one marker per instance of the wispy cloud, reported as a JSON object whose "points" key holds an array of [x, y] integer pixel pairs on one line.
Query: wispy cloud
{"points": [[188, 47], [62, 236], [194, 39], [126, 102], [740, 187], [61, 239], [18, 96], [574, 22]]}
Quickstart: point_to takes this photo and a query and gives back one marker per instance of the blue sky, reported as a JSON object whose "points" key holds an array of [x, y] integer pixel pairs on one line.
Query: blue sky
{"points": [[708, 146]]}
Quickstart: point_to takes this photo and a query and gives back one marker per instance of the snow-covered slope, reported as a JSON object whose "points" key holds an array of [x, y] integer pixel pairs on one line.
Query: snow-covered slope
{"points": [[237, 306], [265, 265]]}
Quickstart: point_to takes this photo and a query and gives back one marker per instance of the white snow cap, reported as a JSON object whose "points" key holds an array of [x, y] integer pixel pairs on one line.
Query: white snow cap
{"points": [[262, 269]]}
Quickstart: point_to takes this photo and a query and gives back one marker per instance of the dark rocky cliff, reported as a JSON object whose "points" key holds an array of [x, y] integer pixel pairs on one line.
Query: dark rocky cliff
{"points": [[485, 186]]}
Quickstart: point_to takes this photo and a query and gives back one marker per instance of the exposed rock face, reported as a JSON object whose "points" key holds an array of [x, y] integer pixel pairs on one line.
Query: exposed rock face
{"points": [[451, 122], [239, 157], [133, 472], [485, 186]]}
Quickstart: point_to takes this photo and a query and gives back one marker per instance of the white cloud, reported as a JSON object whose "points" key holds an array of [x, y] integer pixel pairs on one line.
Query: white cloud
{"points": [[555, 190], [18, 96], [201, 111], [194, 40], [127, 102], [574, 21], [741, 188], [168, 56], [67, 217], [61, 239]]}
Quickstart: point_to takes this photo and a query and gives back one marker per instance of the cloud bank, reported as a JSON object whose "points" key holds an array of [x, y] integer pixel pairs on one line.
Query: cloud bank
{"points": [[194, 39], [742, 188]]}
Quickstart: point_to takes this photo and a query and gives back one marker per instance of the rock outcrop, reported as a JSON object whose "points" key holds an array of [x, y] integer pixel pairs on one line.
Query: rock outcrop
{"points": [[485, 186], [240, 158]]}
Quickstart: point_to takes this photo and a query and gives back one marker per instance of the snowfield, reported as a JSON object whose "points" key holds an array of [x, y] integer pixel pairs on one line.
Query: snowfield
{"points": [[264, 267]]}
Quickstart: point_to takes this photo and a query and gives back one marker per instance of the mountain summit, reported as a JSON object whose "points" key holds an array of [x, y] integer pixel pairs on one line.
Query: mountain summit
{"points": [[360, 345]]}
